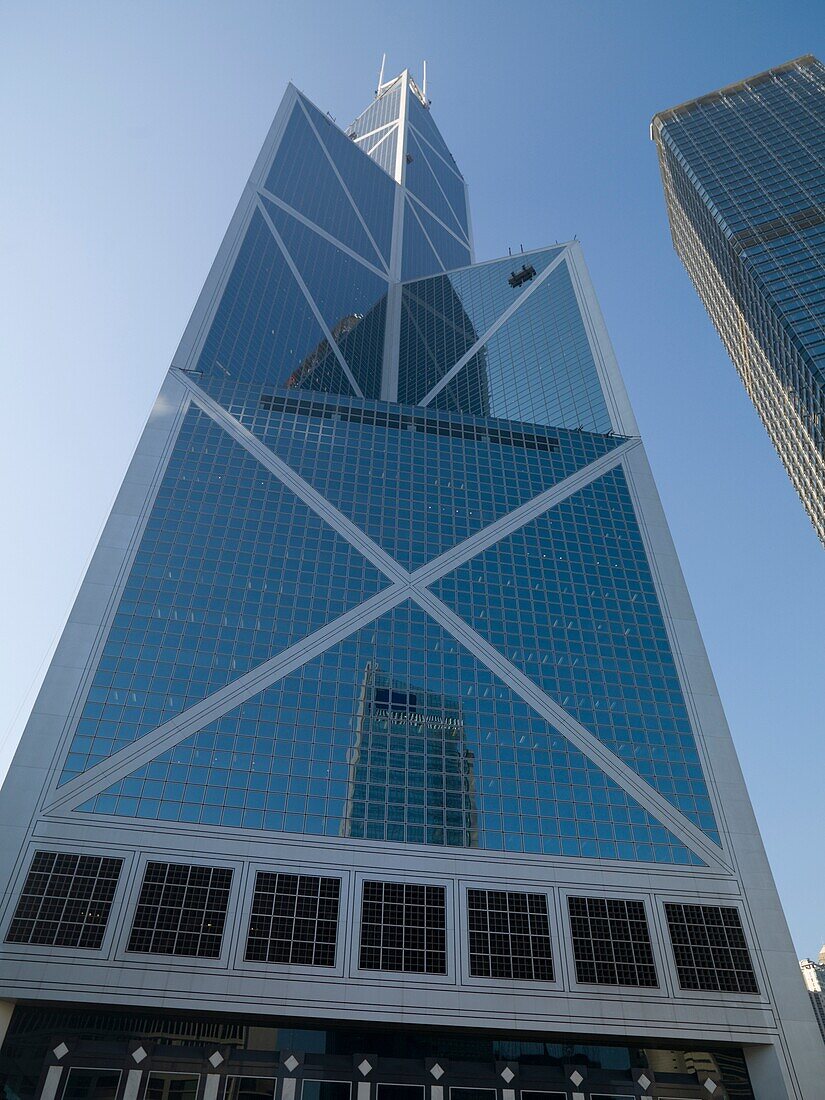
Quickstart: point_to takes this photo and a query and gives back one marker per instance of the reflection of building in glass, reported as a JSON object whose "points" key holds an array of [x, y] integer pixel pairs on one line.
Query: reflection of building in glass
{"points": [[438, 331], [410, 771], [387, 621]]}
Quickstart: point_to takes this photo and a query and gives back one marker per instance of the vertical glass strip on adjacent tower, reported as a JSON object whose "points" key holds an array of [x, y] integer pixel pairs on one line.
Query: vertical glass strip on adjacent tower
{"points": [[743, 170], [380, 756]]}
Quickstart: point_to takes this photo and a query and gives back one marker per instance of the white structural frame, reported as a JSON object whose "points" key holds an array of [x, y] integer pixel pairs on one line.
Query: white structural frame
{"points": [[775, 1028]]}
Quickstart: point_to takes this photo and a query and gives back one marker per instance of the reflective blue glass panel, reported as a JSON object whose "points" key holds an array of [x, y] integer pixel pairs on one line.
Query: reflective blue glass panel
{"points": [[570, 600], [450, 250], [396, 733], [231, 569], [344, 291], [264, 330], [538, 366], [442, 317], [421, 182], [372, 189], [301, 158], [422, 120], [382, 148], [417, 258], [415, 481], [381, 111]]}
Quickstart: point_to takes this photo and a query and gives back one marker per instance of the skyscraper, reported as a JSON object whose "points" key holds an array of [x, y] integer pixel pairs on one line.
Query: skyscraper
{"points": [[813, 975], [743, 170], [381, 753]]}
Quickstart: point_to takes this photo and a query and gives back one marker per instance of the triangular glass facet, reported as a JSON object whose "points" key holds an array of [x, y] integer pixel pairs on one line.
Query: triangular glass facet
{"points": [[443, 316], [569, 599], [232, 568], [264, 331], [450, 250], [372, 190], [344, 290], [421, 183], [396, 733], [300, 157]]}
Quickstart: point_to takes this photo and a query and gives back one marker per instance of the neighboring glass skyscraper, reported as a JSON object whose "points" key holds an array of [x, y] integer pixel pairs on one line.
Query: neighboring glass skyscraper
{"points": [[743, 170], [380, 755]]}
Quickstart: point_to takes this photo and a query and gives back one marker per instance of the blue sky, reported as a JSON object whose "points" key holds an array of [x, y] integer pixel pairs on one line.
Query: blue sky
{"points": [[128, 131]]}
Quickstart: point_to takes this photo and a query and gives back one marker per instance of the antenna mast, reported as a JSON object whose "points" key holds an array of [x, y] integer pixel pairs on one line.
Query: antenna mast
{"points": [[424, 88], [381, 74]]}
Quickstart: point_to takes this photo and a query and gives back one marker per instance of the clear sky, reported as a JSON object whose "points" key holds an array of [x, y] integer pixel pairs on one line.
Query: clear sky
{"points": [[127, 133]]}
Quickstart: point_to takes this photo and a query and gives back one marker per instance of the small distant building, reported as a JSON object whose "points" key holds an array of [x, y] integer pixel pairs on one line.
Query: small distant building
{"points": [[813, 974]]}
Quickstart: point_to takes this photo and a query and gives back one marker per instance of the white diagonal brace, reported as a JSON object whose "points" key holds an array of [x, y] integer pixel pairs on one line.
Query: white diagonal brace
{"points": [[346, 191], [310, 300], [302, 489], [384, 126], [499, 529], [426, 234], [220, 702], [647, 797], [419, 202], [493, 329], [438, 185], [422, 137], [380, 141], [298, 216]]}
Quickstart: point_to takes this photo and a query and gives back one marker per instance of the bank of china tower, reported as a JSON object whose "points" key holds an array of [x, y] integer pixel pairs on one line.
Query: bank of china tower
{"points": [[380, 758]]}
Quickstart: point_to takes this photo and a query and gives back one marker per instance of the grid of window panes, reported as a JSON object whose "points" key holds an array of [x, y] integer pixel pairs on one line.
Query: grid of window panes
{"points": [[426, 143], [294, 919], [417, 481], [283, 761], [570, 600], [744, 176], [66, 900], [91, 1084], [249, 1088], [710, 948], [171, 1086], [403, 928], [442, 317], [350, 297], [382, 111], [509, 935], [181, 910], [265, 329], [450, 249], [395, 718], [537, 367], [611, 942], [232, 568], [782, 382], [311, 141], [436, 186]]}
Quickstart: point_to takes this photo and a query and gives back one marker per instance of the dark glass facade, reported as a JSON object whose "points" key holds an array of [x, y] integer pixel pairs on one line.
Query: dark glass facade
{"points": [[744, 177]]}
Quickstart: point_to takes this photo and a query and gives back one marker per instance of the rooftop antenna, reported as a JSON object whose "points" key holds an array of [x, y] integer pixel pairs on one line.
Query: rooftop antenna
{"points": [[381, 73], [424, 88]]}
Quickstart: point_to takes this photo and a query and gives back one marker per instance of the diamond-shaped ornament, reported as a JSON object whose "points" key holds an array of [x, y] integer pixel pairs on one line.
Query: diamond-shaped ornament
{"points": [[365, 1067], [576, 1077], [507, 1074], [711, 1086], [436, 1071], [60, 1051], [139, 1055], [291, 1062], [644, 1080], [215, 1059]]}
